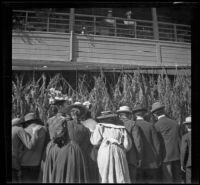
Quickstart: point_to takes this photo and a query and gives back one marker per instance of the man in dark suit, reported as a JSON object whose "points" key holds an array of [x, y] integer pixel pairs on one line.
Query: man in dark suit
{"points": [[21, 141], [133, 155], [151, 159], [186, 151], [170, 134]]}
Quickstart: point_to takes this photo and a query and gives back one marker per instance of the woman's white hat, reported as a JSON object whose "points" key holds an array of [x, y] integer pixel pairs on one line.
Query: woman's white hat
{"points": [[124, 109], [187, 120]]}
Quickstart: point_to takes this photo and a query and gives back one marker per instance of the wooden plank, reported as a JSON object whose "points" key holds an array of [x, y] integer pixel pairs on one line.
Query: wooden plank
{"points": [[40, 47], [181, 61], [113, 52], [40, 57], [175, 50], [40, 52], [125, 46], [116, 61], [30, 41], [178, 56], [116, 56]]}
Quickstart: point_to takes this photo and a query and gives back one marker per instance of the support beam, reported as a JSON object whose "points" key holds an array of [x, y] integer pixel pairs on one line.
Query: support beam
{"points": [[71, 30], [155, 23]]}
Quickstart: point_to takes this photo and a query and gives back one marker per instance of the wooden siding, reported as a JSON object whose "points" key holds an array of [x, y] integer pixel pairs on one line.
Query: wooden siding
{"points": [[175, 55], [98, 49], [40, 46]]}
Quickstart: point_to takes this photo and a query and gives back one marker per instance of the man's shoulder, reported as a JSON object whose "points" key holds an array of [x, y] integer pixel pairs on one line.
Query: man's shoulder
{"points": [[186, 136], [17, 129]]}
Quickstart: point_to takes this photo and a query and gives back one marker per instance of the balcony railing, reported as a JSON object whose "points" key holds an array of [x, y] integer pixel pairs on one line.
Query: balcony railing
{"points": [[99, 25]]}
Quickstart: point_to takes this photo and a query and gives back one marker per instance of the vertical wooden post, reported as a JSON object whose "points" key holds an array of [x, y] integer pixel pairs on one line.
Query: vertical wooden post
{"points": [[94, 25], [71, 30], [158, 54], [48, 22], [26, 20], [155, 23], [175, 33]]}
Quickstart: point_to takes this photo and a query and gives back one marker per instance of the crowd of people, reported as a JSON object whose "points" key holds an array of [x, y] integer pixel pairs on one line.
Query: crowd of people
{"points": [[115, 147]]}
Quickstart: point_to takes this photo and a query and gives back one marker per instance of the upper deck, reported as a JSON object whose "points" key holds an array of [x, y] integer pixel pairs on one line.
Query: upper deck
{"points": [[66, 41]]}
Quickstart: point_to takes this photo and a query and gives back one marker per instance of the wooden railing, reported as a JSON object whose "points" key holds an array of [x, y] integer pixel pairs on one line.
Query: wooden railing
{"points": [[99, 25]]}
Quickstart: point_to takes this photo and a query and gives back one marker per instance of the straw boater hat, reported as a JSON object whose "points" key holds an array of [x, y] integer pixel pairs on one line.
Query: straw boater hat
{"points": [[139, 108], [106, 115], [16, 121], [157, 106], [78, 105], [188, 120], [87, 104], [29, 117], [125, 109], [109, 117]]}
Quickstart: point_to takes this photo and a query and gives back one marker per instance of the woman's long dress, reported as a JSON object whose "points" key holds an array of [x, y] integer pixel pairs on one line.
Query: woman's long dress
{"points": [[52, 149], [114, 142], [71, 164]]}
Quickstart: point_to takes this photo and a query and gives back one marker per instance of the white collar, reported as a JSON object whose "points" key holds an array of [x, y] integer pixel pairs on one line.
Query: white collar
{"points": [[161, 116], [140, 118], [112, 125]]}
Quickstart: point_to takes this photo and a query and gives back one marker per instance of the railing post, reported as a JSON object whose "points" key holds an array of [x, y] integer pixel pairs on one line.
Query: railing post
{"points": [[158, 53], [94, 25], [26, 19], [175, 33], [155, 23], [135, 29], [48, 22], [71, 30], [115, 27]]}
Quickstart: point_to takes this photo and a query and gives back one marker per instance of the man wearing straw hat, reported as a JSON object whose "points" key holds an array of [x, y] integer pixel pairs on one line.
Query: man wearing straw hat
{"points": [[135, 154], [186, 146], [20, 140], [151, 160], [31, 159], [169, 133]]}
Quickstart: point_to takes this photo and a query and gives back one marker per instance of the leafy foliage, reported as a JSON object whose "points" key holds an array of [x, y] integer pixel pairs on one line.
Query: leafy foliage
{"points": [[129, 89]]}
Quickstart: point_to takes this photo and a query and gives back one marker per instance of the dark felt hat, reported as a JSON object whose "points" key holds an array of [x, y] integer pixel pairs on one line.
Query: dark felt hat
{"points": [[82, 108], [139, 108], [157, 106]]}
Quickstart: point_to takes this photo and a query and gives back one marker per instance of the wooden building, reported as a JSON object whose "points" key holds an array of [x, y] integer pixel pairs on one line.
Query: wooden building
{"points": [[73, 40]]}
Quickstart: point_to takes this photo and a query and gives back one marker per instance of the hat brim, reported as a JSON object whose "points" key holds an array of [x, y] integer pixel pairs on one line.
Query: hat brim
{"points": [[158, 108], [57, 102], [37, 120], [123, 111], [139, 110], [106, 116], [83, 109], [187, 122]]}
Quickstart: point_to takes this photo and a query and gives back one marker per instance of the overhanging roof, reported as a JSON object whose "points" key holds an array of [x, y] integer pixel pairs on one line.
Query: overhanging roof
{"points": [[41, 65]]}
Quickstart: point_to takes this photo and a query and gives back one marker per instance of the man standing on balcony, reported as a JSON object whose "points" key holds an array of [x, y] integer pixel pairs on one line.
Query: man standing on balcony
{"points": [[135, 153], [169, 133], [151, 159]]}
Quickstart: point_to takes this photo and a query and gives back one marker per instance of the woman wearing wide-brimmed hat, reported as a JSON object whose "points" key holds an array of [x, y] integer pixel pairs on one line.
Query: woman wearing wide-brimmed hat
{"points": [[71, 163], [114, 141], [56, 127]]}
